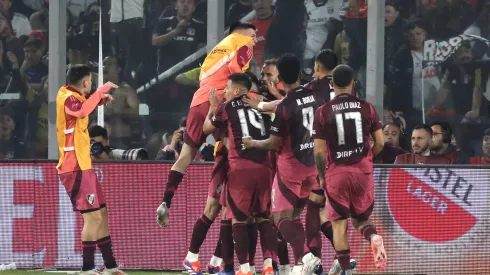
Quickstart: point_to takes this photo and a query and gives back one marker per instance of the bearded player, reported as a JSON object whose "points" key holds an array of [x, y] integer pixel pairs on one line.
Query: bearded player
{"points": [[75, 165], [342, 127], [232, 55]]}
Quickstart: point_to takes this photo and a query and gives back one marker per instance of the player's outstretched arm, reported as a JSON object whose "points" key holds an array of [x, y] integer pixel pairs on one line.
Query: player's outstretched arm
{"points": [[273, 143], [81, 110], [260, 105], [379, 143]]}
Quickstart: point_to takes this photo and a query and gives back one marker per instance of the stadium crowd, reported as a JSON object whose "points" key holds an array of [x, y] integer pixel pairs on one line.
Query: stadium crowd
{"points": [[143, 38]]}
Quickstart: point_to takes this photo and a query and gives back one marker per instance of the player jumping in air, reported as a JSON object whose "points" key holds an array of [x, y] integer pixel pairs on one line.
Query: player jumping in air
{"points": [[249, 188], [232, 55], [342, 128], [75, 166], [296, 173]]}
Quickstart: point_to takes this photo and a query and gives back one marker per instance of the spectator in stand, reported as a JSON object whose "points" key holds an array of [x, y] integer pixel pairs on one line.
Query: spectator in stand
{"points": [[40, 19], [238, 10], [324, 23], [354, 14], [392, 135], [263, 15], [404, 81], [123, 113], [178, 36], [485, 159], [19, 22], [37, 120], [172, 150], [127, 28], [287, 31], [441, 144], [11, 147], [10, 43], [34, 68], [394, 34], [341, 47]]}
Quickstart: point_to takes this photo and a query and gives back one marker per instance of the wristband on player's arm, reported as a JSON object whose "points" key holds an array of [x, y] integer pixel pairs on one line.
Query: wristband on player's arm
{"points": [[261, 106]]}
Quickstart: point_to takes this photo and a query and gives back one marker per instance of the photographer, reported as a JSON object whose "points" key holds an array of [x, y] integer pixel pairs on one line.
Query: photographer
{"points": [[172, 150], [101, 150]]}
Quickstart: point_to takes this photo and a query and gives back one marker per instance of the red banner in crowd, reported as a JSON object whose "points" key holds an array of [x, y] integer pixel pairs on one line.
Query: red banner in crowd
{"points": [[433, 220]]}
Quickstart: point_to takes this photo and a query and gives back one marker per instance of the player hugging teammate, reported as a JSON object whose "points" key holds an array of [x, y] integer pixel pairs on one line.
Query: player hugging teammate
{"points": [[253, 199]]}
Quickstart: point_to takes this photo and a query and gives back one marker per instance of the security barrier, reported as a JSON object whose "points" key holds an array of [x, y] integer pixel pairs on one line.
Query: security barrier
{"points": [[434, 220]]}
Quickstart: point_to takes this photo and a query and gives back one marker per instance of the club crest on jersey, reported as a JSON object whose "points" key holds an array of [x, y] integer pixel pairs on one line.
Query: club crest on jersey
{"points": [[91, 199]]}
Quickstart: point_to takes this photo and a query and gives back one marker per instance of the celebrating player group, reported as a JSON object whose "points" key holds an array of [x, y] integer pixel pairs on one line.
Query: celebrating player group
{"points": [[308, 147]]}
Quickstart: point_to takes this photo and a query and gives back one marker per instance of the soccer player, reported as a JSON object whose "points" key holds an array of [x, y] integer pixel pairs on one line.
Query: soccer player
{"points": [[75, 166], [231, 55], [296, 174], [249, 175], [325, 62], [343, 157]]}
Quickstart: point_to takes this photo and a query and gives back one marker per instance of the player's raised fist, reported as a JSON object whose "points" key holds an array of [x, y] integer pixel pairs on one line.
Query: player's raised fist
{"points": [[112, 85], [107, 97]]}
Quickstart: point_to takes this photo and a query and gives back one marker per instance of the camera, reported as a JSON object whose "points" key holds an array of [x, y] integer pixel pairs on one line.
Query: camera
{"points": [[97, 148], [132, 154]]}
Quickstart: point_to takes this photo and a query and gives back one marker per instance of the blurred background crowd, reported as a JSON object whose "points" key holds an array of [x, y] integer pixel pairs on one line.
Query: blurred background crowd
{"points": [[144, 38]]}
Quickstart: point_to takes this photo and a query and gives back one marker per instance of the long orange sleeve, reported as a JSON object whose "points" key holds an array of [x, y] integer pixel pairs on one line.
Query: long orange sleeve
{"points": [[241, 59], [75, 108]]}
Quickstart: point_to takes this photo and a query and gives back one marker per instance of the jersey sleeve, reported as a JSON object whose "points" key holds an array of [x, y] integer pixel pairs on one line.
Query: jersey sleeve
{"points": [[279, 125], [375, 122], [219, 119], [319, 125]]}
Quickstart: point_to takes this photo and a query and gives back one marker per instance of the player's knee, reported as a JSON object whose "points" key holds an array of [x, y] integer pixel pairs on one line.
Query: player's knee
{"points": [[212, 209]]}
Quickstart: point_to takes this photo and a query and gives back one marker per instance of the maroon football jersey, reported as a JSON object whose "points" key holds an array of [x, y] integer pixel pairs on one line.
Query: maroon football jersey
{"points": [[293, 121], [322, 88], [346, 123], [241, 121]]}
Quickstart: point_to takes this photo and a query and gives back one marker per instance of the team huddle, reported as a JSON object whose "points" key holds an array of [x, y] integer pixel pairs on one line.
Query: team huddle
{"points": [[310, 148]]}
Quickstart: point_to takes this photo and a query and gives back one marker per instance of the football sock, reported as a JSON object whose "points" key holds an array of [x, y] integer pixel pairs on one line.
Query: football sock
{"points": [[105, 246], [367, 231], [268, 240], [282, 248], [173, 181], [245, 268], [327, 230], [217, 250], [88, 254], [215, 261], [344, 259], [240, 236], [295, 236], [312, 228], [227, 246], [199, 233], [253, 235]]}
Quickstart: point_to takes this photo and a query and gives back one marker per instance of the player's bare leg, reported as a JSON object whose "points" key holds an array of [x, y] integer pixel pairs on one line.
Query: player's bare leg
{"points": [[268, 242], [91, 223], [201, 227], [368, 230], [294, 233], [104, 243], [187, 154]]}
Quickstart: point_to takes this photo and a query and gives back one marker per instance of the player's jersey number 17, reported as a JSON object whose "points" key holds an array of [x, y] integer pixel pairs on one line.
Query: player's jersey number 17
{"points": [[340, 118]]}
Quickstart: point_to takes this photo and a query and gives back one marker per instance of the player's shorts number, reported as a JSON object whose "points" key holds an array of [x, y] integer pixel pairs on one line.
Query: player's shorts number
{"points": [[254, 118], [356, 116], [308, 116]]}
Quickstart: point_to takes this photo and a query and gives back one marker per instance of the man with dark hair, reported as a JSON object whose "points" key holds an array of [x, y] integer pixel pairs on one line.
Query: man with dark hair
{"points": [[98, 134], [240, 26], [295, 175], [214, 75], [75, 166], [342, 127], [422, 140], [441, 143], [325, 62], [249, 175], [485, 159]]}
